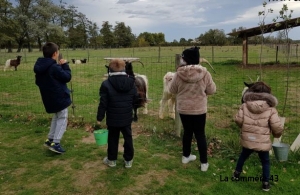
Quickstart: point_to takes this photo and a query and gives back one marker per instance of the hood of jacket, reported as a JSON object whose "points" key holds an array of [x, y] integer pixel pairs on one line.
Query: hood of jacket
{"points": [[121, 82], [259, 102], [191, 73], [42, 64]]}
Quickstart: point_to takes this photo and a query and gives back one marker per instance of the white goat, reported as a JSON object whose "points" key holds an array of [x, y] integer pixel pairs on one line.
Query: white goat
{"points": [[167, 99]]}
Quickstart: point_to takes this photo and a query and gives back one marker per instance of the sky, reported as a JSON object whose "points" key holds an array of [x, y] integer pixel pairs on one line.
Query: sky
{"points": [[178, 19]]}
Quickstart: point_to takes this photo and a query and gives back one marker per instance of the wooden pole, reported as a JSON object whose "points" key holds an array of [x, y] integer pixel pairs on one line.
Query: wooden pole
{"points": [[177, 117], [245, 50]]}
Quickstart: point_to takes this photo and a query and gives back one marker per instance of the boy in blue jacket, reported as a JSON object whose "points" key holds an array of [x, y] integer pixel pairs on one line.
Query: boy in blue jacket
{"points": [[52, 76]]}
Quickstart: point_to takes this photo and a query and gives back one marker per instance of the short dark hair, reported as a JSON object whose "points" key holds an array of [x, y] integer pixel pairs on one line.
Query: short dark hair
{"points": [[49, 49], [260, 87]]}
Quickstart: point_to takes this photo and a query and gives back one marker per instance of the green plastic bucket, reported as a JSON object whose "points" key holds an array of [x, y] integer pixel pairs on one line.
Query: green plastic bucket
{"points": [[281, 151], [101, 136]]}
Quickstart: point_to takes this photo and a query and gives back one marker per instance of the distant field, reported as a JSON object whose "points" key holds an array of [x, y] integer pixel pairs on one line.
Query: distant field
{"points": [[211, 53]]}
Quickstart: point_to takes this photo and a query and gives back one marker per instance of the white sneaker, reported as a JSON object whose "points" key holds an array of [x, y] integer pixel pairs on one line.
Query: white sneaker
{"points": [[188, 159], [204, 166]]}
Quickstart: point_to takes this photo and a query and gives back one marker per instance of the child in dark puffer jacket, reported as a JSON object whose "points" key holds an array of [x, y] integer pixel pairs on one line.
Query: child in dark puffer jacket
{"points": [[51, 76]]}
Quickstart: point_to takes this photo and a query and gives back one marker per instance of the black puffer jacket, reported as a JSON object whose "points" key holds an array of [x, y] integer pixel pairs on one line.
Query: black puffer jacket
{"points": [[52, 79], [117, 95]]}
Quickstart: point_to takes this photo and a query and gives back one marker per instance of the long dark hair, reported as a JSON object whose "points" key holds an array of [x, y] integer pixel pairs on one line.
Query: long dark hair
{"points": [[260, 87]]}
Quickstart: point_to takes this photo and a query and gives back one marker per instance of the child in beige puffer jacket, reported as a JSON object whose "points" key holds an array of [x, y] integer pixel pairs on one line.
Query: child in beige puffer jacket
{"points": [[258, 119]]}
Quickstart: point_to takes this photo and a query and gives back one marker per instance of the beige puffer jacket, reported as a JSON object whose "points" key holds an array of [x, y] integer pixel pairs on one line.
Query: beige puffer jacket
{"points": [[191, 84], [258, 118]]}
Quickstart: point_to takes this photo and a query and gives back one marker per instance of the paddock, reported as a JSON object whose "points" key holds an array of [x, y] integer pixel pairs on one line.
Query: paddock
{"points": [[21, 101]]}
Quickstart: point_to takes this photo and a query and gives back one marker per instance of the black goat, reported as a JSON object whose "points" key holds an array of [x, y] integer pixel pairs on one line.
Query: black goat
{"points": [[13, 63], [141, 83], [83, 61]]}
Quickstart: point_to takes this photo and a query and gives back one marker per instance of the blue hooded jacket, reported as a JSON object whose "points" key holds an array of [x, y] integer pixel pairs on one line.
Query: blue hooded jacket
{"points": [[52, 79]]}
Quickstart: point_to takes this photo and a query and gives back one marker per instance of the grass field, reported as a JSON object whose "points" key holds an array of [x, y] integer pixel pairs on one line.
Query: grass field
{"points": [[27, 168]]}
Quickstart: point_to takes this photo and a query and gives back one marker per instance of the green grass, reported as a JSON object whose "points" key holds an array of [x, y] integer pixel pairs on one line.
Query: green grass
{"points": [[28, 168]]}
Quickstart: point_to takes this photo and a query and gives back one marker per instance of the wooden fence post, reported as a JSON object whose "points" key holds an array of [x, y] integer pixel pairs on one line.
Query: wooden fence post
{"points": [[177, 117]]}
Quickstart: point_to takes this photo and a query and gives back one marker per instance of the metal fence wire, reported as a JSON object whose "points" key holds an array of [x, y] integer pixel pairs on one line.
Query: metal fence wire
{"points": [[20, 98]]}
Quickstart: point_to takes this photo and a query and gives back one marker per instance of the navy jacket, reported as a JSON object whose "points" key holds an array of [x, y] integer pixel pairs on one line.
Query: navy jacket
{"points": [[52, 79], [117, 95]]}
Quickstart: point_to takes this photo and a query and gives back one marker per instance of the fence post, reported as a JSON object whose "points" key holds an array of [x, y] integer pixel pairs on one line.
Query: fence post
{"points": [[158, 54], [297, 52], [177, 117], [276, 54], [212, 54]]}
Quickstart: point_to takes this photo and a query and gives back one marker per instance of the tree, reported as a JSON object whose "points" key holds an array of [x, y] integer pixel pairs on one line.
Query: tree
{"points": [[213, 37], [263, 28], [8, 24], [235, 40], [285, 14], [107, 34], [46, 18], [123, 35], [94, 35]]}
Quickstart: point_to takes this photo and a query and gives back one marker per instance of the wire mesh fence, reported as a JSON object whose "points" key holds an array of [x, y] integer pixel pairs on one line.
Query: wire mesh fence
{"points": [[20, 98]]}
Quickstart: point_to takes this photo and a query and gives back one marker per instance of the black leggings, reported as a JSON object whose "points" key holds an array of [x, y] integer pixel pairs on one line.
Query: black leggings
{"points": [[194, 124]]}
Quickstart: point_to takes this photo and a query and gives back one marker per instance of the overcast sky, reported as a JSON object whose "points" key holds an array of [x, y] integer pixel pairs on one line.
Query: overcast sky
{"points": [[181, 18]]}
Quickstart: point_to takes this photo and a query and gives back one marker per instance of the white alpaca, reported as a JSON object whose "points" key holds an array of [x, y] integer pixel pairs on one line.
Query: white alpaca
{"points": [[167, 99]]}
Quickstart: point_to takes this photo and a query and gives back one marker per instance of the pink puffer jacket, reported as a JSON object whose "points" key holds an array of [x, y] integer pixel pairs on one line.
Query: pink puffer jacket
{"points": [[192, 84], [258, 118]]}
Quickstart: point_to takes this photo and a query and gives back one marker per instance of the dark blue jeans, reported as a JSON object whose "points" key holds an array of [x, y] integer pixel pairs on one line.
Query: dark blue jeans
{"points": [[194, 125], [113, 142], [264, 158]]}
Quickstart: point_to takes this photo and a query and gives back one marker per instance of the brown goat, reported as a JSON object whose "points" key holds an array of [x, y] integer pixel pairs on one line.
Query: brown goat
{"points": [[12, 63]]}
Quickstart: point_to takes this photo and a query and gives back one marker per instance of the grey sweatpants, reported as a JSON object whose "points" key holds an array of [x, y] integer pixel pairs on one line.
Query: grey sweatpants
{"points": [[58, 125]]}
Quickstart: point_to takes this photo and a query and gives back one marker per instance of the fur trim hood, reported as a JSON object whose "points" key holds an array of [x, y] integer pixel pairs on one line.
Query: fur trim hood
{"points": [[191, 73], [259, 102]]}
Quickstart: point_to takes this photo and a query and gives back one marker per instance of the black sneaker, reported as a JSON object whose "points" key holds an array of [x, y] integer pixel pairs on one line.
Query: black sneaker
{"points": [[266, 186], [48, 143], [236, 175], [55, 147]]}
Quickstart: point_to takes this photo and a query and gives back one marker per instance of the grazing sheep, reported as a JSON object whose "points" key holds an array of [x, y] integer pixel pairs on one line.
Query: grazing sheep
{"points": [[82, 61], [12, 63], [77, 62], [167, 99], [141, 83]]}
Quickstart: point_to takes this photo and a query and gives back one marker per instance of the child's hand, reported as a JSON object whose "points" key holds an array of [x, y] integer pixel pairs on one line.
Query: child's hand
{"points": [[62, 61]]}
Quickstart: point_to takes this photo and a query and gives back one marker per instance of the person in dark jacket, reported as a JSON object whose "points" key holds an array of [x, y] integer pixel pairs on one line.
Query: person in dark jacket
{"points": [[52, 77], [117, 96]]}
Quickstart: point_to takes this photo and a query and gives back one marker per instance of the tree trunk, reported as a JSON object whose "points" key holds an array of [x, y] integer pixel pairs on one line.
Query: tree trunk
{"points": [[9, 47]]}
